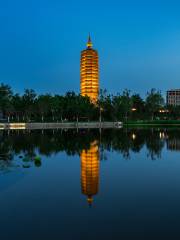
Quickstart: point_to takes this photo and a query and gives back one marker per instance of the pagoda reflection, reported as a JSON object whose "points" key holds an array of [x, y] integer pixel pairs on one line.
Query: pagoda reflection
{"points": [[90, 171]]}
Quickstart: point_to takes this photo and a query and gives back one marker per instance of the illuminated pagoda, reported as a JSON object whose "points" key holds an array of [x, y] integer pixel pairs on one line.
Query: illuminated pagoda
{"points": [[90, 171], [90, 72]]}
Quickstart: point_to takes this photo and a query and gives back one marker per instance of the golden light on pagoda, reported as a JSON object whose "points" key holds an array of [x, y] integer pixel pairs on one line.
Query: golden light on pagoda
{"points": [[90, 171], [89, 72]]}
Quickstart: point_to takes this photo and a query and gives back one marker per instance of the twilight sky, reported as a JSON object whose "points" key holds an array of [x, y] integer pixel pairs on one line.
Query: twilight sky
{"points": [[138, 43]]}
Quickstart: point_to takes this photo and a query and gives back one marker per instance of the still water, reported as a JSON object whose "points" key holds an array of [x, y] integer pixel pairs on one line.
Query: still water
{"points": [[113, 184]]}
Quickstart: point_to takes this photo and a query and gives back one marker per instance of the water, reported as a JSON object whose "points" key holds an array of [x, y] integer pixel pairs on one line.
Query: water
{"points": [[114, 184]]}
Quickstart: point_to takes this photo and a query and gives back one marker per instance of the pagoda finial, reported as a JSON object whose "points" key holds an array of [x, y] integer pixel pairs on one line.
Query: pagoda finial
{"points": [[89, 43], [90, 200]]}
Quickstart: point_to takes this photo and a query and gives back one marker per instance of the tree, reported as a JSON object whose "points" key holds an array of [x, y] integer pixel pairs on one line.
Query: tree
{"points": [[154, 101], [173, 112], [73, 107], [29, 99], [17, 103], [5, 98], [44, 105], [137, 106], [122, 105], [106, 105], [87, 109], [55, 106]]}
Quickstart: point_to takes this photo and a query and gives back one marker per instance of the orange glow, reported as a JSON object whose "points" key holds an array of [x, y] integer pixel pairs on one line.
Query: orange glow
{"points": [[163, 111], [89, 72], [90, 171]]}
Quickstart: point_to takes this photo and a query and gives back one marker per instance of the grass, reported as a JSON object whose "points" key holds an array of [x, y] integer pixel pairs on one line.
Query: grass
{"points": [[153, 122]]}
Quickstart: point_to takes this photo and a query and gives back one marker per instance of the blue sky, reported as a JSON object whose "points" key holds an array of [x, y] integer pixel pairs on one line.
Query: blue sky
{"points": [[138, 43]]}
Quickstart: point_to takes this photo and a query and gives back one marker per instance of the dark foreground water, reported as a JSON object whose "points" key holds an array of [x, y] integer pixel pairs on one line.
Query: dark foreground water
{"points": [[117, 184]]}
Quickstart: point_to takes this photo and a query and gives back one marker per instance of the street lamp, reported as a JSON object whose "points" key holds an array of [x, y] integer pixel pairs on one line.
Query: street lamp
{"points": [[100, 115]]}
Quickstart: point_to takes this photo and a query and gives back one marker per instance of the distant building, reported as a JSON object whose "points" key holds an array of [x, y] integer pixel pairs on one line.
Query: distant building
{"points": [[90, 72], [173, 97]]}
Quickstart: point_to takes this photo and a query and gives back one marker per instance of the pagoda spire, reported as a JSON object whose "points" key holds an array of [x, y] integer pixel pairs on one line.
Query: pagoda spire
{"points": [[89, 43]]}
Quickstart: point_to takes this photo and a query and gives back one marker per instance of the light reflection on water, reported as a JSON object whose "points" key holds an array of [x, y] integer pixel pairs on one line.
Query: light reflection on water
{"points": [[88, 184]]}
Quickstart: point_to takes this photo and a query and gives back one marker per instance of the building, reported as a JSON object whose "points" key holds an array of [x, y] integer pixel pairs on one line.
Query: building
{"points": [[90, 171], [89, 72], [173, 97]]}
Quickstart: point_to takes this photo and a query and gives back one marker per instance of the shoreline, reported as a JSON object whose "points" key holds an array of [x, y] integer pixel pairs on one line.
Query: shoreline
{"points": [[151, 124], [81, 125], [60, 125]]}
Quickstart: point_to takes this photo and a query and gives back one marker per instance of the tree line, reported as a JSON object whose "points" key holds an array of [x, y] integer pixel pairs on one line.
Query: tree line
{"points": [[124, 106]]}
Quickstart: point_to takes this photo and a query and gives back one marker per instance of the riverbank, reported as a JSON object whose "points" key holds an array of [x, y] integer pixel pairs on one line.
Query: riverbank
{"points": [[152, 123], [60, 125], [90, 125]]}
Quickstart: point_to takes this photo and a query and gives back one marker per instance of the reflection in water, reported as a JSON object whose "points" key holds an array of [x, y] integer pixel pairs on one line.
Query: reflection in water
{"points": [[30, 145], [133, 136], [145, 195], [173, 144], [90, 171]]}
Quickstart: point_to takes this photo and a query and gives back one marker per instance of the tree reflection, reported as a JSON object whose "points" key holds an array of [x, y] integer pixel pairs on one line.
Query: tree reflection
{"points": [[154, 144], [29, 144]]}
